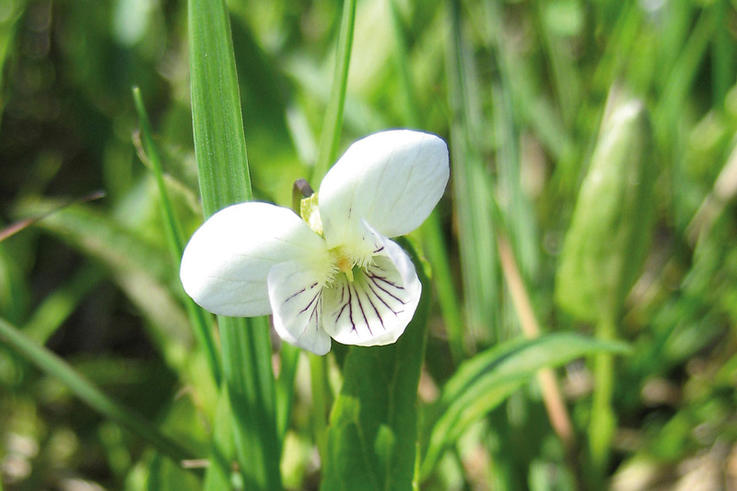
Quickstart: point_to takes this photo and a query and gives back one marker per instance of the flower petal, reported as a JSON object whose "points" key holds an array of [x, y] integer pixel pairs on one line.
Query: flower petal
{"points": [[376, 307], [392, 179], [295, 293], [225, 264]]}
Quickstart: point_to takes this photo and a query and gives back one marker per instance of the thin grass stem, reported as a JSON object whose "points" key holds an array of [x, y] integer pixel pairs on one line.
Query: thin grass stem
{"points": [[200, 320], [331, 129]]}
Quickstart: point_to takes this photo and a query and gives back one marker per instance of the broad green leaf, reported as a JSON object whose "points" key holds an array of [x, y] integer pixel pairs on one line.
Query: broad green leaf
{"points": [[373, 425], [484, 381]]}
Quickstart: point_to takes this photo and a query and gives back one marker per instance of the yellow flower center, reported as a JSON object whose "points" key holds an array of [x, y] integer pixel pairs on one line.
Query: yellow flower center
{"points": [[343, 262]]}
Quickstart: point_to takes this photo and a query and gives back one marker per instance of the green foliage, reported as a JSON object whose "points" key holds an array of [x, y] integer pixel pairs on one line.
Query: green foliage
{"points": [[487, 379], [47, 361], [612, 221]]}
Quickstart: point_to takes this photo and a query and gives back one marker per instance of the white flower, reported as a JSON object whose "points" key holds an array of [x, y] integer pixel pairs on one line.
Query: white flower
{"points": [[335, 273]]}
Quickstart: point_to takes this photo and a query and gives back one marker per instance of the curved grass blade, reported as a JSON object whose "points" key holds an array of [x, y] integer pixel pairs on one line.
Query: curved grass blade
{"points": [[87, 392], [487, 379], [61, 303]]}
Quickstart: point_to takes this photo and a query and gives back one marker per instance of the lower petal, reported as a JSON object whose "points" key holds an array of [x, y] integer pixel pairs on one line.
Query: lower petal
{"points": [[375, 308], [295, 295]]}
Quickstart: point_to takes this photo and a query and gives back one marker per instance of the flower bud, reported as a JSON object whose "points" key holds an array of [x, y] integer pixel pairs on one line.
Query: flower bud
{"points": [[611, 224]]}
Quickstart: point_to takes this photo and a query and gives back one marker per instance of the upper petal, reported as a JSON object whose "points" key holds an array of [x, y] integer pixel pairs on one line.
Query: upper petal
{"points": [[392, 179], [295, 293], [227, 260], [374, 308]]}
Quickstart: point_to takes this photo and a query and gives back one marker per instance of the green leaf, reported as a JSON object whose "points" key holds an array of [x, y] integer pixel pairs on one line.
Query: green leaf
{"points": [[373, 425], [163, 475], [484, 381], [219, 140]]}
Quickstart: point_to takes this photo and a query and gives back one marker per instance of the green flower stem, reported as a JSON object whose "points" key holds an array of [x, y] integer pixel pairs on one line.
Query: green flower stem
{"points": [[47, 361], [247, 355], [431, 231], [603, 421], [222, 163], [327, 152], [198, 318], [222, 449], [285, 387], [330, 137], [321, 401], [437, 254]]}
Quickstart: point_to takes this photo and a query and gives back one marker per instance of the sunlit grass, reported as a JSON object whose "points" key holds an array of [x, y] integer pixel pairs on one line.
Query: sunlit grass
{"points": [[608, 263]]}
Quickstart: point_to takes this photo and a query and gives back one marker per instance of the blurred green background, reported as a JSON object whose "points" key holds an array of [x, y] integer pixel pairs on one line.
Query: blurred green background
{"points": [[524, 93]]}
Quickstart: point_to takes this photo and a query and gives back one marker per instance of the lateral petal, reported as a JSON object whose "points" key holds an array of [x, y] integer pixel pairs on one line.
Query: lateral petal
{"points": [[227, 260], [376, 307], [295, 293], [392, 179]]}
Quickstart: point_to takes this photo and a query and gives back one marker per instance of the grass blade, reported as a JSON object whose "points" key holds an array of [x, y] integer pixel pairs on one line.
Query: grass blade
{"points": [[330, 137], [198, 318], [472, 187], [431, 230], [91, 395], [60, 304], [136, 266]]}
